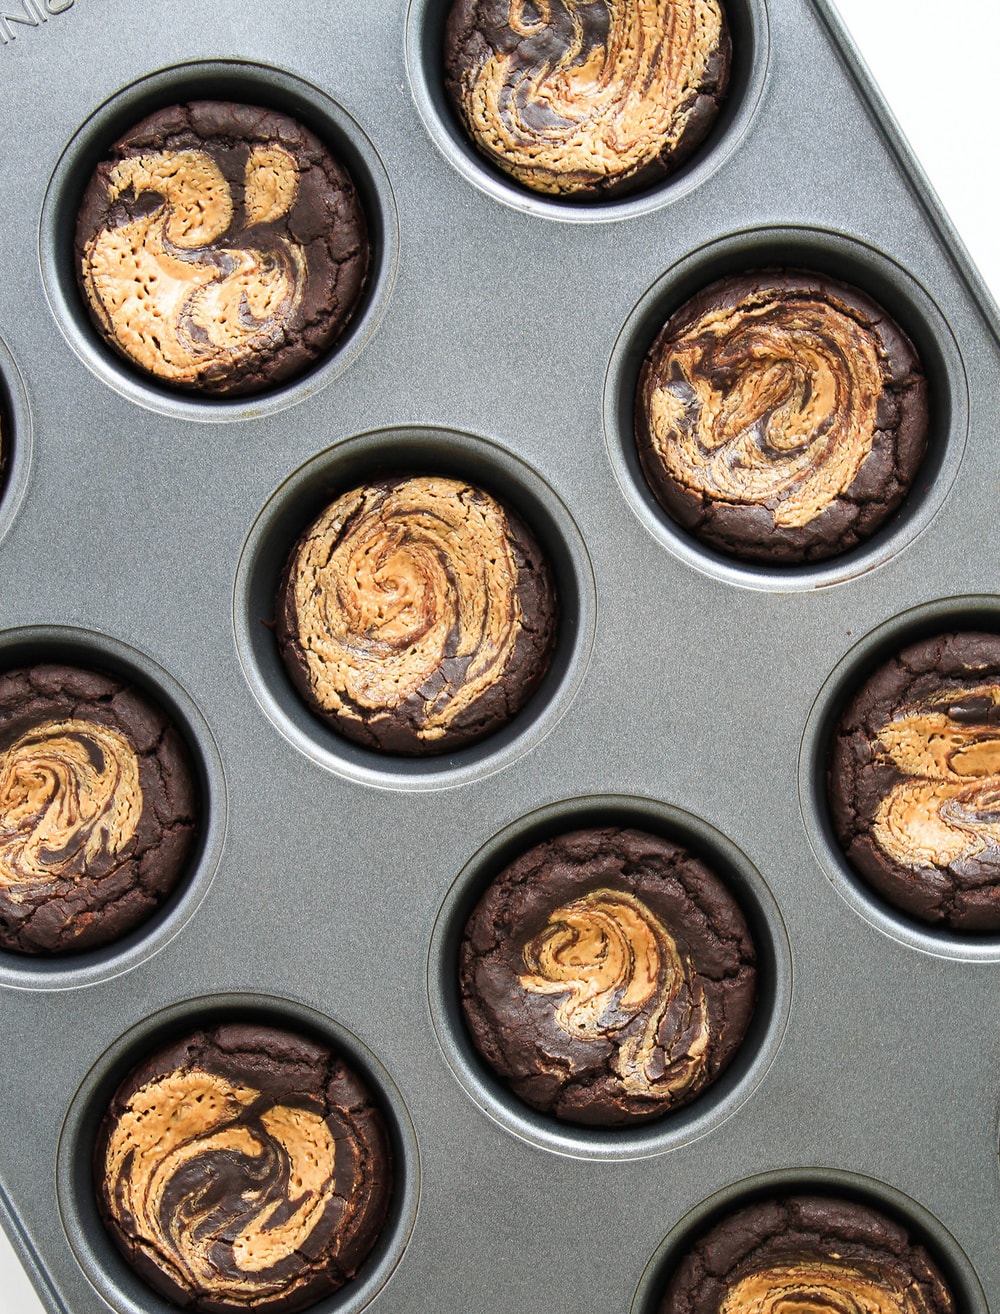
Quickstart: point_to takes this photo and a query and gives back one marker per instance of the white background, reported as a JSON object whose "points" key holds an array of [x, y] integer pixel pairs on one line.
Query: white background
{"points": [[935, 61]]}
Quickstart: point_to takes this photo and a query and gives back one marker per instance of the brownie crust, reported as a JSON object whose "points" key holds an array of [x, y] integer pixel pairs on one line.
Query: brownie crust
{"points": [[914, 781], [781, 416], [98, 809], [221, 248], [607, 976], [815, 1250], [276, 1138], [416, 615], [587, 100]]}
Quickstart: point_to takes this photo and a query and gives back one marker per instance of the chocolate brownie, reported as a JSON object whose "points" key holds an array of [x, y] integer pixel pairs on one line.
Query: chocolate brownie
{"points": [[914, 781], [807, 1252], [416, 615], [607, 976], [221, 248], [98, 809], [781, 416], [587, 98], [243, 1167]]}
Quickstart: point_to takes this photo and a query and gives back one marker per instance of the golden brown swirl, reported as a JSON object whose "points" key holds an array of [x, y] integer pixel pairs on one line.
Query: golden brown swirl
{"points": [[407, 593], [172, 1158], [569, 95], [70, 802], [624, 977], [948, 807], [164, 284], [772, 401], [803, 1285]]}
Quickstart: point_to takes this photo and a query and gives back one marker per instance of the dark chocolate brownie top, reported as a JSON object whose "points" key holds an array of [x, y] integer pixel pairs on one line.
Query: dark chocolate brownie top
{"points": [[221, 247], [243, 1167], [587, 98], [914, 781], [416, 615], [812, 1252], [781, 416], [98, 809], [607, 976]]}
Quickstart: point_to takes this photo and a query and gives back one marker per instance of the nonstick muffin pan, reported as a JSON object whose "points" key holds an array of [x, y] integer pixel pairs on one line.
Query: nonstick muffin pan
{"points": [[144, 532]]}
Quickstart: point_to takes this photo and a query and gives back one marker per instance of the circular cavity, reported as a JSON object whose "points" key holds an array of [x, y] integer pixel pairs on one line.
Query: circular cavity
{"points": [[31, 647], [76, 1181], [750, 1061], [828, 256], [947, 616], [417, 615], [390, 454], [781, 417], [242, 84], [867, 1223], [15, 439], [426, 59]]}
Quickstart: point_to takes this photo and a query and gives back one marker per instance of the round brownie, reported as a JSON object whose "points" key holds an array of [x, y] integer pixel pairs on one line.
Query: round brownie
{"points": [[243, 1167], [416, 615], [221, 248], [608, 976], [587, 98], [98, 809], [914, 781], [781, 416], [807, 1252]]}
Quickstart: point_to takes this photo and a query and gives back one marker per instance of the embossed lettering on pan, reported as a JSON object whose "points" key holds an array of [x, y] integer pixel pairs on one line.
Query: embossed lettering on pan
{"points": [[33, 13], [914, 781], [781, 416], [221, 248], [587, 98]]}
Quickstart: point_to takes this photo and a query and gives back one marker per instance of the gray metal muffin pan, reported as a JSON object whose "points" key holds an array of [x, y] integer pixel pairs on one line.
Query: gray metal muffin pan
{"points": [[142, 531]]}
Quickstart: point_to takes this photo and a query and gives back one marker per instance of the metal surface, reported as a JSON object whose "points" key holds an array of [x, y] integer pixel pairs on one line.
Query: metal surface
{"points": [[500, 338]]}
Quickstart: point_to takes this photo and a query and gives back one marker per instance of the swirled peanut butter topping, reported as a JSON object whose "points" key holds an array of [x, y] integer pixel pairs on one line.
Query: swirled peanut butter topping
{"points": [[164, 282], [624, 977], [583, 92], [948, 807], [771, 402], [70, 801], [219, 1187], [407, 591], [823, 1286]]}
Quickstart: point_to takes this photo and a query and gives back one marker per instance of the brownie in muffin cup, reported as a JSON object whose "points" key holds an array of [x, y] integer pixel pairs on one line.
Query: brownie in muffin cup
{"points": [[243, 1167], [221, 248], [781, 416], [98, 809], [416, 615], [807, 1252], [914, 781], [607, 976], [587, 99]]}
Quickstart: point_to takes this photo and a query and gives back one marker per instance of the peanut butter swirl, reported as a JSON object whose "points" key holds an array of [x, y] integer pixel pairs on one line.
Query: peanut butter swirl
{"points": [[161, 1183], [571, 96], [807, 1285], [405, 607], [772, 401], [175, 283], [947, 809], [626, 980], [70, 802]]}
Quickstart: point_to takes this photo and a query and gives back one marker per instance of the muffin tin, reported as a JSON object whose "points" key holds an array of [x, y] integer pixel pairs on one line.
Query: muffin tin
{"points": [[144, 532]]}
